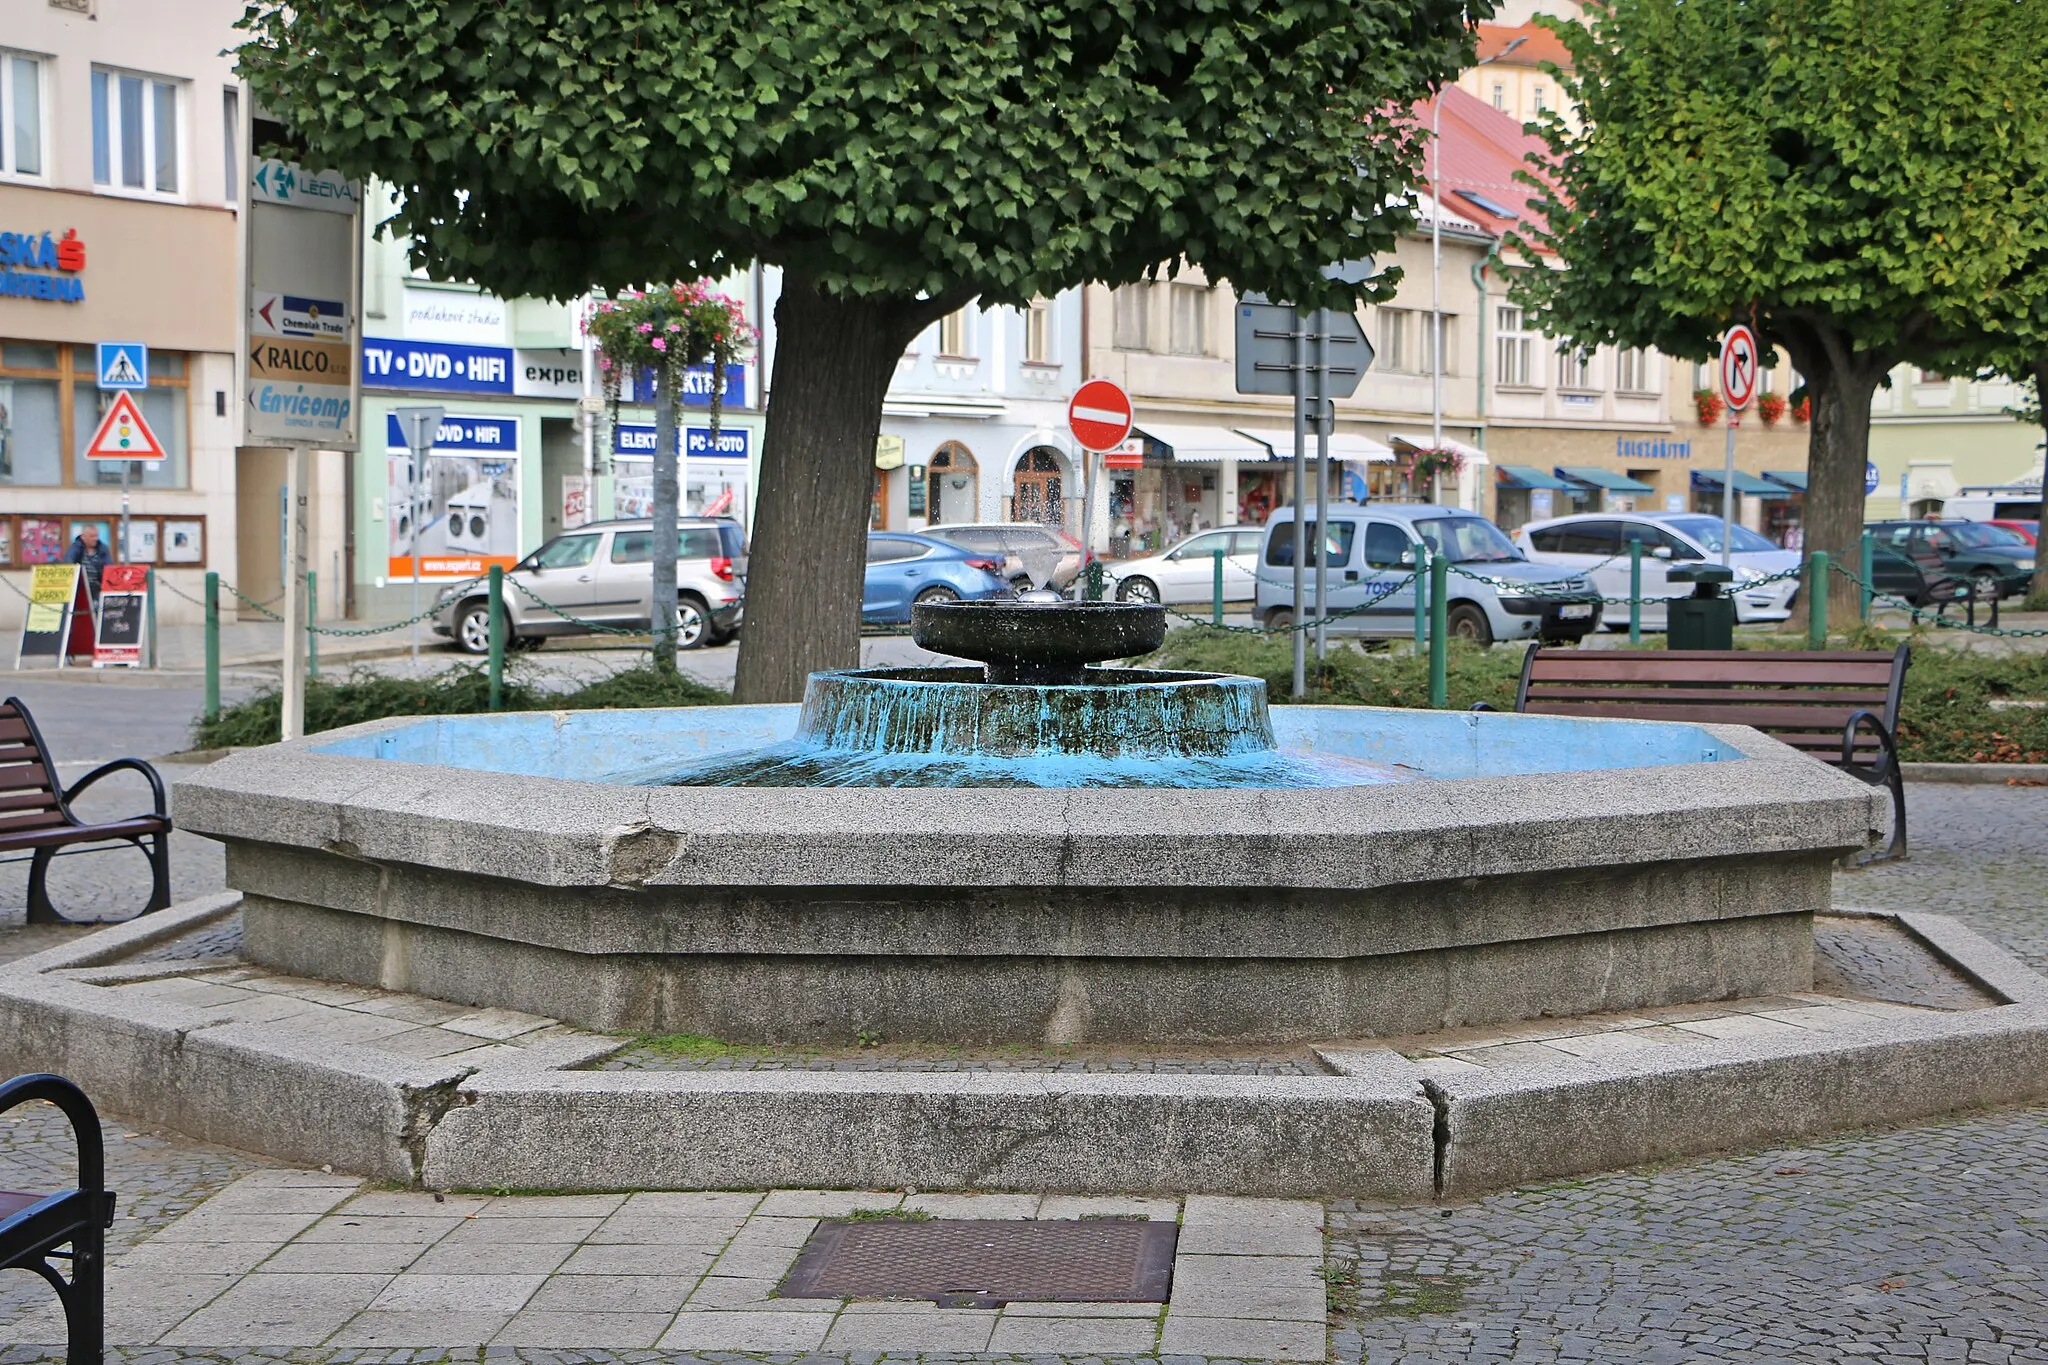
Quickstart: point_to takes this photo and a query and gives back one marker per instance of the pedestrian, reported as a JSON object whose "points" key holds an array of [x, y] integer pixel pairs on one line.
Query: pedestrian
{"points": [[90, 553]]}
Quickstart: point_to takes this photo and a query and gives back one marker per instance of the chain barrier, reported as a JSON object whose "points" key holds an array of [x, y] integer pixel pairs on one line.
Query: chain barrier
{"points": [[1552, 592], [1933, 617], [594, 627], [1310, 624]]}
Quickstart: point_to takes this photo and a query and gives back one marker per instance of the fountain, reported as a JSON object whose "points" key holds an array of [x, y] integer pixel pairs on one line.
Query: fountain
{"points": [[1037, 850]]}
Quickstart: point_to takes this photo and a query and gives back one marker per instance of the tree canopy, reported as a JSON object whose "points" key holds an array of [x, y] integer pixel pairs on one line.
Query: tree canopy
{"points": [[1866, 181], [889, 148]]}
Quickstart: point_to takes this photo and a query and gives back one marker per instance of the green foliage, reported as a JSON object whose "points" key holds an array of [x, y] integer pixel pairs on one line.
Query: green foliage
{"points": [[907, 149], [1872, 169], [362, 695], [1945, 716]]}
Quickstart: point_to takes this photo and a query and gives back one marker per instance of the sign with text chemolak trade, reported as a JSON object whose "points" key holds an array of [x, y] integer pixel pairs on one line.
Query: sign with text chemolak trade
{"points": [[37, 265]]}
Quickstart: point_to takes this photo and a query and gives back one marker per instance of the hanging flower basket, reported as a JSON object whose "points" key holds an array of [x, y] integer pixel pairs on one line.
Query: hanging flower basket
{"points": [[1431, 465], [1802, 409], [1709, 406], [1771, 407], [667, 330]]}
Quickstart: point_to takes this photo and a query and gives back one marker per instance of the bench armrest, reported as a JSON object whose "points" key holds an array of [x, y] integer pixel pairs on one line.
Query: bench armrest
{"points": [[1888, 760], [156, 783], [85, 1123], [1484, 706]]}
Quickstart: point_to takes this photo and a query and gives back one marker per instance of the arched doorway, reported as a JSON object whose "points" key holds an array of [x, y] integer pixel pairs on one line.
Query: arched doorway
{"points": [[1040, 488], [953, 485]]}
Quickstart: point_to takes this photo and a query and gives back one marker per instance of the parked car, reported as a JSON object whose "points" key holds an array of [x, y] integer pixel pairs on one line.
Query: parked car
{"points": [[904, 569], [2029, 531], [1187, 572], [1369, 548], [1993, 561], [603, 574], [1014, 540], [1596, 544]]}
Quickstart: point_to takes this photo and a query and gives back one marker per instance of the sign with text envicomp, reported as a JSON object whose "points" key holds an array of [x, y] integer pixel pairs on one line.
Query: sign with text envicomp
{"points": [[303, 308], [436, 367]]}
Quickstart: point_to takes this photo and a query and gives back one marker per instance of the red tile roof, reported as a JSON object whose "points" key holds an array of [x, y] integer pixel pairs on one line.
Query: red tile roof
{"points": [[1482, 149], [1541, 45]]}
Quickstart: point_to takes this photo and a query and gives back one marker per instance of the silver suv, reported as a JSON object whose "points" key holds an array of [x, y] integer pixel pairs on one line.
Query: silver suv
{"points": [[603, 574]]}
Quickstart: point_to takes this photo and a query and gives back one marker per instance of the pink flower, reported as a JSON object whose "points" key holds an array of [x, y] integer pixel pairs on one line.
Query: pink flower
{"points": [[660, 345]]}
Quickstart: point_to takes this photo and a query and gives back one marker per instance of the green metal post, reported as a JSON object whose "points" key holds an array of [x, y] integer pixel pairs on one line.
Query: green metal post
{"points": [[1439, 631], [149, 612], [497, 638], [1093, 592], [1421, 596], [1869, 554], [312, 615], [1216, 608], [212, 645], [1635, 592], [1817, 600]]}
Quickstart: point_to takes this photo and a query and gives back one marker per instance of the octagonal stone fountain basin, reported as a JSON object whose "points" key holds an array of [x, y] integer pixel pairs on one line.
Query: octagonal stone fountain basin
{"points": [[1527, 866]]}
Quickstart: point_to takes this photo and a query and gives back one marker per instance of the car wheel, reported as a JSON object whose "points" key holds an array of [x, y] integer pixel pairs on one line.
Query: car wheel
{"points": [[1467, 622], [1022, 583], [937, 592], [1142, 590], [473, 626], [1280, 618], [693, 623], [1985, 585]]}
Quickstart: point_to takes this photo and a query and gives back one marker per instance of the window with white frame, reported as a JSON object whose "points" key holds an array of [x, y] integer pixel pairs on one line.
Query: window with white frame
{"points": [[21, 114], [1634, 370], [1395, 352], [1133, 305], [136, 143], [1575, 369], [1038, 333], [1513, 348], [1500, 96], [1445, 334], [953, 334], [231, 143], [1542, 98], [1188, 328]]}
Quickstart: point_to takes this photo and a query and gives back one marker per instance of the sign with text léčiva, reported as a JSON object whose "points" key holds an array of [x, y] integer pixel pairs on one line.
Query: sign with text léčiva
{"points": [[55, 594], [122, 619]]}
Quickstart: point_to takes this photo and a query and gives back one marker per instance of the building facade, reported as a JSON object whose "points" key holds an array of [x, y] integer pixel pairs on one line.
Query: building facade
{"points": [[119, 189]]}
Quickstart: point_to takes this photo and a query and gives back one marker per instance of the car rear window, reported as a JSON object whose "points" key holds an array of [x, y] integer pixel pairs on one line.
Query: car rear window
{"points": [[891, 549], [693, 542]]}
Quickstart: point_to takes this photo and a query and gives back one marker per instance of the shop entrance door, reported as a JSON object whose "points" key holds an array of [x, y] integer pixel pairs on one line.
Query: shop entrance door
{"points": [[1039, 497]]}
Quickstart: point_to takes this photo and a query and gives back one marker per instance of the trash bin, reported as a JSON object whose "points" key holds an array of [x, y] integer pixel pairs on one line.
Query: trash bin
{"points": [[1705, 620]]}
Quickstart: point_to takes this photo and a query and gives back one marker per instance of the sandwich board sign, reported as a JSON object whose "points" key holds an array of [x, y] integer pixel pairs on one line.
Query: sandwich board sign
{"points": [[121, 621], [59, 619]]}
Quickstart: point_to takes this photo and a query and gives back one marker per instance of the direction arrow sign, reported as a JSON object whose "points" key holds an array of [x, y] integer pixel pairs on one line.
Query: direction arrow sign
{"points": [[1099, 414], [1266, 355], [123, 435], [1739, 364]]}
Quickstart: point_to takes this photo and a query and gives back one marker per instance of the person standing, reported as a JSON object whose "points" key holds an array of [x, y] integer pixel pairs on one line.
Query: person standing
{"points": [[90, 553]]}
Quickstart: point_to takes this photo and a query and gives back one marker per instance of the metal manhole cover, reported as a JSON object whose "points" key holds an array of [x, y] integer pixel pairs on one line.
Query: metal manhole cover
{"points": [[985, 1262]]}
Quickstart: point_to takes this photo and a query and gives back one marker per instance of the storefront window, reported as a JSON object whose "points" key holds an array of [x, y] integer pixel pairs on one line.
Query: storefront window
{"points": [[49, 402]]}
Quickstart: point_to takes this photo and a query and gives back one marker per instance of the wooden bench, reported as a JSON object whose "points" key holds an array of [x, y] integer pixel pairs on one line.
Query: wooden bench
{"points": [[1840, 706], [36, 817], [68, 1225]]}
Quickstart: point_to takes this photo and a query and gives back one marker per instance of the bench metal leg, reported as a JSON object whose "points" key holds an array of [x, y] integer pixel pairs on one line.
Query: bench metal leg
{"points": [[42, 911], [160, 868]]}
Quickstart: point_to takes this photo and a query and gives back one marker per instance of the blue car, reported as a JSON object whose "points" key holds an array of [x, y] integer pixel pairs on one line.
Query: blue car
{"points": [[904, 568]]}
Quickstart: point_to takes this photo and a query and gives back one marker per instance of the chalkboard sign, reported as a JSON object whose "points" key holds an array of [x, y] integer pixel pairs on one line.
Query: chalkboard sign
{"points": [[121, 616], [54, 591]]}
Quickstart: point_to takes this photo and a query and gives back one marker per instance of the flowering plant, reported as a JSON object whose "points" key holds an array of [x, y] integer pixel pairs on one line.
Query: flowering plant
{"points": [[1770, 407], [1431, 465], [1802, 408], [668, 329], [1708, 405]]}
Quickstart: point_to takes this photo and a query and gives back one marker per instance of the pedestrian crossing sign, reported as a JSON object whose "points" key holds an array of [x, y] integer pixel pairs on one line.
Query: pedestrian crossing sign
{"points": [[123, 435], [124, 365]]}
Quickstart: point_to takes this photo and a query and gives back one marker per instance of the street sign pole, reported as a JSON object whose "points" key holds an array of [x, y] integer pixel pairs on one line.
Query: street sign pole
{"points": [[1301, 541], [1325, 413], [297, 463], [420, 425], [1728, 487], [1740, 363]]}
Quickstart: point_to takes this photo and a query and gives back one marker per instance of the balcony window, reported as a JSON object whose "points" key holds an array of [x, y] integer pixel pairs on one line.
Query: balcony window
{"points": [[1575, 370], [1513, 348], [1633, 372], [1190, 322], [1133, 305], [953, 335], [1395, 348], [135, 137], [1038, 333], [21, 114]]}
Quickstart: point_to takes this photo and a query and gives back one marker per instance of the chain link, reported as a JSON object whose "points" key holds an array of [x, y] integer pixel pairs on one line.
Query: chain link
{"points": [[1935, 619], [594, 627]]}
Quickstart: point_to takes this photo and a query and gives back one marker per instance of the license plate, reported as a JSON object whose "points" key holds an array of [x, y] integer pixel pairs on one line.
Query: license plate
{"points": [[1575, 613]]}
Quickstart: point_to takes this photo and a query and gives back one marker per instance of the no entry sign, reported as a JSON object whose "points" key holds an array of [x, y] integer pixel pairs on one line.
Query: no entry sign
{"points": [[1738, 367], [1100, 415]]}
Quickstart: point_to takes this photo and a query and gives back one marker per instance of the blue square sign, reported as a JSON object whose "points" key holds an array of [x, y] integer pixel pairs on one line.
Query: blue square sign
{"points": [[124, 365]]}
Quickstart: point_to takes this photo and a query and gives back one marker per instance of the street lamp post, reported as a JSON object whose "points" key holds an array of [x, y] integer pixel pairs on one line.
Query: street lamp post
{"points": [[1436, 255]]}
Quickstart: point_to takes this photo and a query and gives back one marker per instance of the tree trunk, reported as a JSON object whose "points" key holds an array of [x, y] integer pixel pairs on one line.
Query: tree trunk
{"points": [[667, 495], [834, 359], [1839, 385], [2038, 595]]}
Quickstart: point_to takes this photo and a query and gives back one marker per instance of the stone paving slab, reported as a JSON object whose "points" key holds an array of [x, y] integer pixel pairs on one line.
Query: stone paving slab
{"points": [[284, 1258]]}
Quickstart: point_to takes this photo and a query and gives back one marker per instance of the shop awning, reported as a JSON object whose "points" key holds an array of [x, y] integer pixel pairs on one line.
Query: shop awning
{"points": [[1344, 445], [1604, 479], [1205, 443], [1528, 476], [1794, 479], [1710, 481], [1473, 454]]}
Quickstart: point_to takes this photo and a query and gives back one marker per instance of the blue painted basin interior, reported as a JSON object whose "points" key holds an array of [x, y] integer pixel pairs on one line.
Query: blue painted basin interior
{"points": [[603, 746]]}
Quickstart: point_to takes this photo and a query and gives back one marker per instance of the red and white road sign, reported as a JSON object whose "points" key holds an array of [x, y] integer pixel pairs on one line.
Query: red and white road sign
{"points": [[1128, 454], [123, 435], [1739, 366], [1100, 415]]}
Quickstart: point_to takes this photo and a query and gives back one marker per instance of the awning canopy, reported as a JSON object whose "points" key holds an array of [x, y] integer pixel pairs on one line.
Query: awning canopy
{"points": [[1710, 481], [1205, 443], [1405, 441], [1528, 476], [1794, 479], [1605, 479], [1344, 445]]}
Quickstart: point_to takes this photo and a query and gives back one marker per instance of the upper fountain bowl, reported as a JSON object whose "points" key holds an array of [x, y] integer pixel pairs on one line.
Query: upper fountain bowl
{"points": [[1045, 644]]}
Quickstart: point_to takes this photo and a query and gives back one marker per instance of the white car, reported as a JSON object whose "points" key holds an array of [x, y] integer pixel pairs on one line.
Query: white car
{"points": [[1596, 543], [1186, 574]]}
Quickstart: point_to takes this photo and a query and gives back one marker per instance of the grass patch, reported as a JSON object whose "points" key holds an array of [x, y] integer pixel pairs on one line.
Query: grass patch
{"points": [[464, 690], [888, 1216], [685, 1045], [1408, 1295]]}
